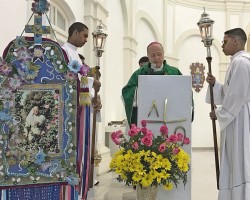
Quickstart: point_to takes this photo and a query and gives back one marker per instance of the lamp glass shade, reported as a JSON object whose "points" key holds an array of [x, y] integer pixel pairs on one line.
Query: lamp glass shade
{"points": [[99, 38], [206, 29], [99, 41]]}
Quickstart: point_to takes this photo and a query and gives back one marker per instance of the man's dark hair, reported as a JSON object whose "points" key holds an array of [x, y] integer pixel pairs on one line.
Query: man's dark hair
{"points": [[76, 26], [237, 32], [143, 59], [81, 56]]}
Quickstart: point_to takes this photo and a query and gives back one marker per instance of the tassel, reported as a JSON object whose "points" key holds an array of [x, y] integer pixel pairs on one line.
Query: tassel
{"points": [[84, 96]]}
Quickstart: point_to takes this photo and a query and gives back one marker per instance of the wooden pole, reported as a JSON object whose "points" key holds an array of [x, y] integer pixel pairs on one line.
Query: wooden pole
{"points": [[92, 160], [216, 156]]}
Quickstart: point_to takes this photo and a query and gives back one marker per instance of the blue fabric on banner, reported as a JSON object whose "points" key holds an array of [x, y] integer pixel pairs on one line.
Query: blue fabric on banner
{"points": [[72, 195], [51, 192]]}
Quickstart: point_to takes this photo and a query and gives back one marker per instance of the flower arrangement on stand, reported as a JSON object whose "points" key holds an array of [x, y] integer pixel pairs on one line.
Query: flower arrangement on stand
{"points": [[145, 159]]}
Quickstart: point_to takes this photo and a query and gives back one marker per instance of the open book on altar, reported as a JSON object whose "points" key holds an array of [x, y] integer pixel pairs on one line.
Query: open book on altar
{"points": [[167, 100]]}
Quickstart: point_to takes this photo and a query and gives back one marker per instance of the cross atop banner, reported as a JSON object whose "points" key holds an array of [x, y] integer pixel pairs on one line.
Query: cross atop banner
{"points": [[39, 7], [38, 29]]}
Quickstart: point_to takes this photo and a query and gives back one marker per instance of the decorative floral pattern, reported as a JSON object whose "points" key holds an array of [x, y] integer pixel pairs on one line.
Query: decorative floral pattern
{"points": [[37, 52], [22, 54], [40, 7], [84, 70], [74, 66], [40, 157], [5, 68], [70, 76], [15, 82], [20, 41], [29, 72], [44, 157]]}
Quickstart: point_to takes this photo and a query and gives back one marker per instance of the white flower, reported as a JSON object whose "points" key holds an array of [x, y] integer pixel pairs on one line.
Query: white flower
{"points": [[1, 168], [71, 148], [15, 181], [35, 179]]}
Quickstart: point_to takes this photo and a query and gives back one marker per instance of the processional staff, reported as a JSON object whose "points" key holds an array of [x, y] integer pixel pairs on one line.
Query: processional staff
{"points": [[206, 29], [99, 38]]}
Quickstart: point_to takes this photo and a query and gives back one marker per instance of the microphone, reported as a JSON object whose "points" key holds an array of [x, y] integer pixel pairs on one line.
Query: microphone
{"points": [[151, 68]]}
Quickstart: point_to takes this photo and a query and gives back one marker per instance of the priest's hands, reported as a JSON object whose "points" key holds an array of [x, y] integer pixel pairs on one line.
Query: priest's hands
{"points": [[212, 113], [210, 79]]}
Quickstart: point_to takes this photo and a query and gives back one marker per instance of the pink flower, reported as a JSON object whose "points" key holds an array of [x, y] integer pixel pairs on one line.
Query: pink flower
{"points": [[113, 135], [173, 138], [116, 135], [46, 106], [168, 140], [164, 130], [132, 132], [186, 140], [149, 133], [180, 136], [175, 150], [144, 130], [135, 145], [147, 141], [133, 126], [48, 127], [162, 147], [143, 123], [117, 141], [70, 76]]}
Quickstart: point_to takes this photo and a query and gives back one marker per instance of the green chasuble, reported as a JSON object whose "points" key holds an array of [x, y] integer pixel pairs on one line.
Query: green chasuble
{"points": [[128, 92]]}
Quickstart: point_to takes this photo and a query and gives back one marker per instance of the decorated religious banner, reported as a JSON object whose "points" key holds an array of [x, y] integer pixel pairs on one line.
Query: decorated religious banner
{"points": [[38, 114], [165, 105], [38, 109]]}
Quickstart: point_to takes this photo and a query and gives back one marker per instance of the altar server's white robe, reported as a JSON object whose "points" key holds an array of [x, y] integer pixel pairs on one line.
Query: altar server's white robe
{"points": [[234, 120]]}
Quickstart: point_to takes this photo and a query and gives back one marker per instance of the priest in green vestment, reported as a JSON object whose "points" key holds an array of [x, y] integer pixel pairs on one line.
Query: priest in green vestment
{"points": [[156, 66]]}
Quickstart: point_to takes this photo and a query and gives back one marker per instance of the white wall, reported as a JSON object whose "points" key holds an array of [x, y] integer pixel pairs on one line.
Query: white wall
{"points": [[13, 17], [113, 69], [145, 36], [77, 7]]}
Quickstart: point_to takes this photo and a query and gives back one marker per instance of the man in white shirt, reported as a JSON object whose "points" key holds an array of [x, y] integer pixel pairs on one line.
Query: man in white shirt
{"points": [[233, 116], [77, 37]]}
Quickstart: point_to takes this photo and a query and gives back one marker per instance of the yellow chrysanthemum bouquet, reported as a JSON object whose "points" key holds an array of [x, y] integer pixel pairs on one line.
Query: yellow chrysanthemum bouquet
{"points": [[147, 160]]}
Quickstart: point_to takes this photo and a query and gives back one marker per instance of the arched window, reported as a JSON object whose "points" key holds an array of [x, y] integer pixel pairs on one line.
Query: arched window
{"points": [[59, 24]]}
